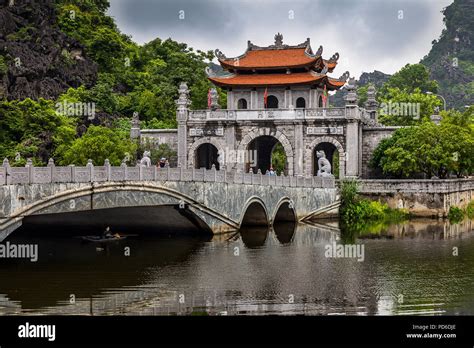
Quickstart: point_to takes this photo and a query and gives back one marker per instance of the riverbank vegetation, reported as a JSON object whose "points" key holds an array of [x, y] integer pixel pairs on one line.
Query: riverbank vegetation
{"points": [[456, 214], [356, 211]]}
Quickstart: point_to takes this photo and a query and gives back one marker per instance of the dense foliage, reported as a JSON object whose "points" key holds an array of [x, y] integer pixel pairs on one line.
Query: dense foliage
{"points": [[429, 149], [131, 78]]}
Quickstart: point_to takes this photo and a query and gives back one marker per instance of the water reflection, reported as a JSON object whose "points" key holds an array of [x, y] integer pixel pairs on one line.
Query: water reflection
{"points": [[408, 268], [254, 236], [284, 231]]}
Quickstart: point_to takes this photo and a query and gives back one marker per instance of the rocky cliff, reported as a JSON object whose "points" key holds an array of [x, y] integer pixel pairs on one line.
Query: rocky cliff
{"points": [[36, 58]]}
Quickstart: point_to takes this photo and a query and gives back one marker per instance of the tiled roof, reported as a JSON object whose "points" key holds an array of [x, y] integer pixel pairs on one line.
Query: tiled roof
{"points": [[275, 80], [275, 58], [266, 79]]}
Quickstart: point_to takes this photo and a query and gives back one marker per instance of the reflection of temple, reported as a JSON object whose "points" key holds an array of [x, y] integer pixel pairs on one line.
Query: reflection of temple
{"points": [[277, 97]]}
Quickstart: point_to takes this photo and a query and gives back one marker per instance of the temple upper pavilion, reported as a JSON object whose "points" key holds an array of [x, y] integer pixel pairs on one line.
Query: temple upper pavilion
{"points": [[276, 95], [277, 76]]}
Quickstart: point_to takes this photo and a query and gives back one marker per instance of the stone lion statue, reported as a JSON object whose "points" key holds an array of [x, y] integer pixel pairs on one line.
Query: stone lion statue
{"points": [[324, 166], [146, 161]]}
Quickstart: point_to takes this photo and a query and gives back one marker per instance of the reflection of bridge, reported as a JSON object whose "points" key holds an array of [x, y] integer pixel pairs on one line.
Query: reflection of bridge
{"points": [[217, 200]]}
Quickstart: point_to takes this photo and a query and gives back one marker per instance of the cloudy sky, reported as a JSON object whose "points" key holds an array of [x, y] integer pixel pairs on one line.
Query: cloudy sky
{"points": [[368, 34]]}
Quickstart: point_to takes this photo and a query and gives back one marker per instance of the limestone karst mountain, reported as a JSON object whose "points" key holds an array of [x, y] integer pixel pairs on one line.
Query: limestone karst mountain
{"points": [[451, 59], [36, 58]]}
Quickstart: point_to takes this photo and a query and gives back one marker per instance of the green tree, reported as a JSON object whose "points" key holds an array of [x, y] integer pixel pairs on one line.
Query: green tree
{"points": [[434, 150], [410, 78], [33, 129], [401, 108], [98, 143]]}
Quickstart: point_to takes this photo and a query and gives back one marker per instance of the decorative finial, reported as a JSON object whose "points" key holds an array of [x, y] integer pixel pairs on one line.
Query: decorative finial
{"points": [[50, 162], [278, 40], [319, 52], [351, 97], [344, 76], [219, 54], [334, 57]]}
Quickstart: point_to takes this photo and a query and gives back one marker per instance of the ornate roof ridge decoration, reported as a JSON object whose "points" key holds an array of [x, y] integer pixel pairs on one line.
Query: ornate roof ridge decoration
{"points": [[334, 58], [219, 54], [344, 77], [309, 52]]}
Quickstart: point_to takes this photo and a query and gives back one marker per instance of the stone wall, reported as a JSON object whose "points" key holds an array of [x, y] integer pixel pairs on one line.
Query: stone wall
{"points": [[371, 137], [423, 198], [161, 136]]}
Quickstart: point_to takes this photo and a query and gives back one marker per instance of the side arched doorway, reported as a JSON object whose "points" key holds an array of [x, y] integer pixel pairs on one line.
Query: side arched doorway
{"points": [[206, 155], [332, 155], [267, 152]]}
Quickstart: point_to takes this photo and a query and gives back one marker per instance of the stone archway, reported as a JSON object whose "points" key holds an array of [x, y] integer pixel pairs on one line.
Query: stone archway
{"points": [[309, 158], [279, 136], [197, 144]]}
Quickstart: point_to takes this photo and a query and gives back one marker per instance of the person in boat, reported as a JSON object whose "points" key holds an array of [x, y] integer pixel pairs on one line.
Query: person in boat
{"points": [[108, 233]]}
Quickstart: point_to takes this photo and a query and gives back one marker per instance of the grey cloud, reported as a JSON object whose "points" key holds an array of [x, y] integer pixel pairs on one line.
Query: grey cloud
{"points": [[368, 33]]}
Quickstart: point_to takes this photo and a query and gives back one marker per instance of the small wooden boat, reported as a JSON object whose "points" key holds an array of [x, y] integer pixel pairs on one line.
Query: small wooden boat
{"points": [[102, 239]]}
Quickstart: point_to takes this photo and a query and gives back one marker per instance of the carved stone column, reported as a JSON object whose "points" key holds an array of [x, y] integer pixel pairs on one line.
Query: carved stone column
{"points": [[352, 130], [182, 113]]}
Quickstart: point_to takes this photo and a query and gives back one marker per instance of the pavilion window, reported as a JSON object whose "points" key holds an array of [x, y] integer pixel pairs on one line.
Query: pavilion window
{"points": [[300, 102], [272, 102], [320, 103], [242, 104]]}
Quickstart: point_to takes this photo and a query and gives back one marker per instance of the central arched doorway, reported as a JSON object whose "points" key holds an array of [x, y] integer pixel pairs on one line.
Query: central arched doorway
{"points": [[207, 155], [268, 153], [332, 155]]}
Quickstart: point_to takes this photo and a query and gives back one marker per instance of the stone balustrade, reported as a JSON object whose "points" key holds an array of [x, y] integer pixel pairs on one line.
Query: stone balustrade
{"points": [[267, 114], [90, 173], [389, 186]]}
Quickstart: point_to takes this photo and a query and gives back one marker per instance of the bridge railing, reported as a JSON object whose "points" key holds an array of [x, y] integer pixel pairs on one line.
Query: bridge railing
{"points": [[90, 173]]}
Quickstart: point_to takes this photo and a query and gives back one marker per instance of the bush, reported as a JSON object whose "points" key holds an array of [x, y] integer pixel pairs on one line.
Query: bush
{"points": [[455, 215]]}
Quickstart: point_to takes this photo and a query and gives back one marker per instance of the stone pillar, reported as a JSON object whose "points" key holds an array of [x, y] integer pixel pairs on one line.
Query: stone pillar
{"points": [[352, 130], [289, 99], [230, 100], [182, 112], [214, 99], [371, 104], [229, 136], [436, 117], [298, 162], [135, 130], [253, 100]]}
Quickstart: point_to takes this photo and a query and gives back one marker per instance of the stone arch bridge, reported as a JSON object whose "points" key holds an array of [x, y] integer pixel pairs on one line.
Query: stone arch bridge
{"points": [[218, 201]]}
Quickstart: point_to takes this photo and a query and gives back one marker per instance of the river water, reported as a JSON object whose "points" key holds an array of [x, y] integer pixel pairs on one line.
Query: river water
{"points": [[418, 267]]}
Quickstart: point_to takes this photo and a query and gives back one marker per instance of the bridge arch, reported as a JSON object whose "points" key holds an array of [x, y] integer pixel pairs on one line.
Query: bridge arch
{"points": [[310, 156], [254, 213], [284, 211], [203, 141], [129, 195], [279, 136]]}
